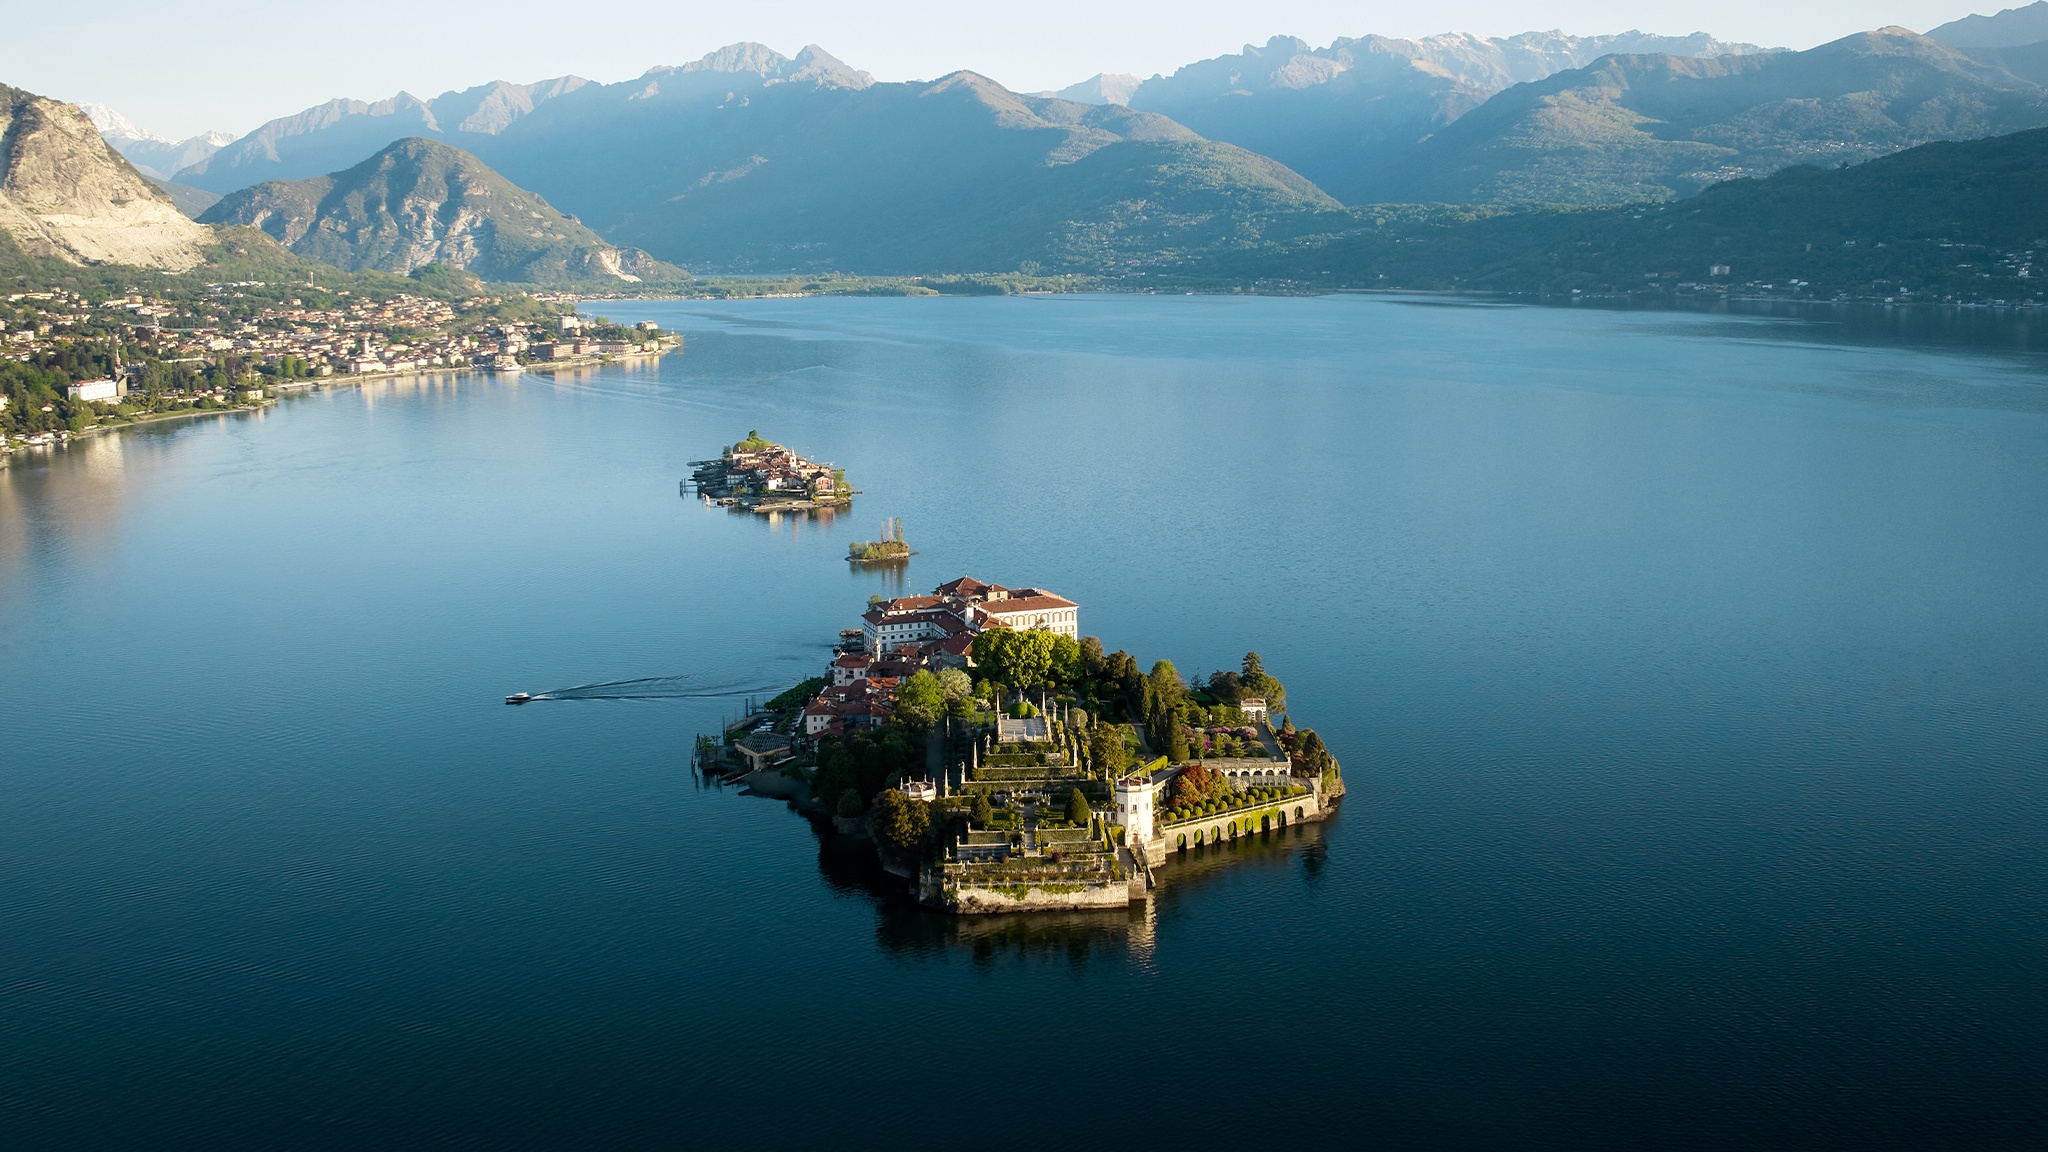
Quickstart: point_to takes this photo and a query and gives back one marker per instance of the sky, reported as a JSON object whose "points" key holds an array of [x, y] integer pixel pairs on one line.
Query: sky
{"points": [[179, 67]]}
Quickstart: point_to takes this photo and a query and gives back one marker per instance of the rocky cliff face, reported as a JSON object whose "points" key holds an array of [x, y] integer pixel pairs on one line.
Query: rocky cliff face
{"points": [[64, 193], [419, 202]]}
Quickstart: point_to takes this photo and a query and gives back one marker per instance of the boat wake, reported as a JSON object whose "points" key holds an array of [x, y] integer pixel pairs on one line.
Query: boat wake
{"points": [[684, 687]]}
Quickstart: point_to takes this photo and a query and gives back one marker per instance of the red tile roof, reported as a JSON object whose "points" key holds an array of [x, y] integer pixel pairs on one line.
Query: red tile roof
{"points": [[967, 586], [1042, 602]]}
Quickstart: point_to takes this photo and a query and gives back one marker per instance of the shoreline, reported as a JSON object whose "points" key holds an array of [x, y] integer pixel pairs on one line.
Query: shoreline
{"points": [[321, 383]]}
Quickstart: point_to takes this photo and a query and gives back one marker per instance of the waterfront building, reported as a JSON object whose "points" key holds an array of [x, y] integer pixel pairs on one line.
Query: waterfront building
{"points": [[1027, 609], [958, 609], [95, 390]]}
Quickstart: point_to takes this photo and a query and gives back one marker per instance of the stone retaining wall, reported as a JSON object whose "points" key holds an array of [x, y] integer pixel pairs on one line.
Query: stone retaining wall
{"points": [[1226, 826]]}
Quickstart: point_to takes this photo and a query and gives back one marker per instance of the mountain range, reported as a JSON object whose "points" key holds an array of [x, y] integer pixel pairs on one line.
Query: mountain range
{"points": [[1652, 127], [751, 159], [419, 202], [1340, 115], [748, 160]]}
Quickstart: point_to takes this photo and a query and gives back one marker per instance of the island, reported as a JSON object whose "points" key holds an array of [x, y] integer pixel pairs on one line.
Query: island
{"points": [[757, 475], [999, 761], [890, 549]]}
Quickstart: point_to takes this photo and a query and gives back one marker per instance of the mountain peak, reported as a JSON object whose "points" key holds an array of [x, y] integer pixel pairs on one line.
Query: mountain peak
{"points": [[745, 56], [419, 201], [1101, 88], [116, 127], [814, 63], [748, 58]]}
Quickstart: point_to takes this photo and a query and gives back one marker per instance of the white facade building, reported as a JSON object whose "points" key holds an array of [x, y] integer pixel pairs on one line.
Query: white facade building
{"points": [[1028, 609]]}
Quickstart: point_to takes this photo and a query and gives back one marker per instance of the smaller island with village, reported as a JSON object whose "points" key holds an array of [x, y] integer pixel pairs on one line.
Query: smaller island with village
{"points": [[999, 761], [758, 475]]}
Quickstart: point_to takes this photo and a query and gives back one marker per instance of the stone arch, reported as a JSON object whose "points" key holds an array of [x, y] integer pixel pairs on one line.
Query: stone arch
{"points": [[1183, 841], [1233, 829], [1297, 813], [1283, 817], [1265, 823], [1198, 837]]}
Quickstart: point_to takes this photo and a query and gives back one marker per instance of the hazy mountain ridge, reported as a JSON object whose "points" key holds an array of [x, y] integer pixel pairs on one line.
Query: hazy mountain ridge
{"points": [[419, 202], [1654, 127], [959, 174], [1951, 218], [1339, 113], [750, 159], [2012, 28], [65, 194], [338, 134]]}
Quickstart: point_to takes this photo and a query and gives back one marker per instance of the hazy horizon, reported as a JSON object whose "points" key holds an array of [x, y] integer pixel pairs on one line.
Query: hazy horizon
{"points": [[230, 65]]}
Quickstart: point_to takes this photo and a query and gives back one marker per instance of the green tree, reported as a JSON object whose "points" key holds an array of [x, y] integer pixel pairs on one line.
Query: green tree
{"points": [[1255, 682], [1176, 743], [1107, 751], [1092, 660], [990, 652], [920, 700], [981, 812], [957, 685], [1078, 812], [1121, 667], [1064, 661], [1165, 702], [849, 803], [1022, 660], [1312, 758], [1228, 686], [901, 822], [1166, 687]]}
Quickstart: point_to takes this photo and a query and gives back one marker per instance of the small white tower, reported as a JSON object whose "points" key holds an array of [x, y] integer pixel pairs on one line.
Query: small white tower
{"points": [[1134, 803]]}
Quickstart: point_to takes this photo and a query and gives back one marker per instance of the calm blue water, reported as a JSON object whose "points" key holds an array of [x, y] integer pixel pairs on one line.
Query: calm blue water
{"points": [[1690, 674]]}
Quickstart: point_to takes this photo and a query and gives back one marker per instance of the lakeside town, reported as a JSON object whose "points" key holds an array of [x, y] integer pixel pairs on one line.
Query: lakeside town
{"points": [[73, 361], [998, 760]]}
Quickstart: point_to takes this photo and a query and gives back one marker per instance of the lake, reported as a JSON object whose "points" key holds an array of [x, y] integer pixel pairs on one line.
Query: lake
{"points": [[1689, 673]]}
